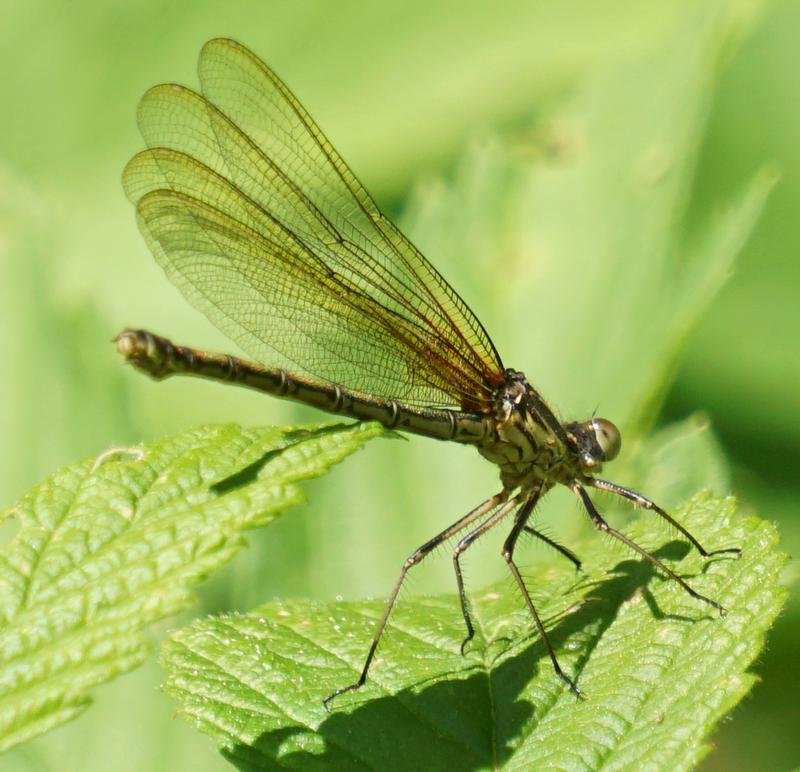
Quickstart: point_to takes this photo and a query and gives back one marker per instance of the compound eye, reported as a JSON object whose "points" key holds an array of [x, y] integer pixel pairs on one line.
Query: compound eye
{"points": [[608, 438]]}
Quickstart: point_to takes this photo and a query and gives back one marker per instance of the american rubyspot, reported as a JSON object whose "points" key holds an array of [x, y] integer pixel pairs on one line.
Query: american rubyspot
{"points": [[255, 217]]}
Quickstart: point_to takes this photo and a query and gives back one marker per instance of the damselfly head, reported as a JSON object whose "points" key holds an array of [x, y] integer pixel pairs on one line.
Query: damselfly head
{"points": [[596, 440]]}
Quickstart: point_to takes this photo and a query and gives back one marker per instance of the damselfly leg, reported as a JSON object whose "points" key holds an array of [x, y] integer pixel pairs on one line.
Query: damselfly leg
{"points": [[414, 559], [508, 553], [602, 525], [645, 503]]}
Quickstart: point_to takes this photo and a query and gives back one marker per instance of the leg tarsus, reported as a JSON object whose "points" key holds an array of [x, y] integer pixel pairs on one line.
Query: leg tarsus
{"points": [[573, 687]]}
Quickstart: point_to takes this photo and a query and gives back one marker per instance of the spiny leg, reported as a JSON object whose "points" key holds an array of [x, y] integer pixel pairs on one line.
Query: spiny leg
{"points": [[469, 539], [508, 554], [567, 553], [645, 503], [602, 525], [412, 560]]}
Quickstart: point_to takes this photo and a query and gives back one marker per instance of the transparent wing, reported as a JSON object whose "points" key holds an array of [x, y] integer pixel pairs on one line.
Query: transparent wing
{"points": [[257, 220]]}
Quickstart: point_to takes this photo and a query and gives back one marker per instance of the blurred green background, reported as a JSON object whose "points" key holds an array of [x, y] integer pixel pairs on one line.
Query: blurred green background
{"points": [[414, 96]]}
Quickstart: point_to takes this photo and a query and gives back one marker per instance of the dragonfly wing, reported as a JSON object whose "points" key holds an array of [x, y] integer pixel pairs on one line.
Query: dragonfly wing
{"points": [[264, 228], [211, 239]]}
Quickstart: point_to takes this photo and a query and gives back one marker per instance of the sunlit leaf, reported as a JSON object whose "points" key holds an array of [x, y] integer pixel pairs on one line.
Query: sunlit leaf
{"points": [[116, 542], [658, 669]]}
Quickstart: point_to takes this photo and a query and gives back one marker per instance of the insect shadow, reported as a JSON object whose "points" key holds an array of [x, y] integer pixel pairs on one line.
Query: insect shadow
{"points": [[250, 473], [469, 722]]}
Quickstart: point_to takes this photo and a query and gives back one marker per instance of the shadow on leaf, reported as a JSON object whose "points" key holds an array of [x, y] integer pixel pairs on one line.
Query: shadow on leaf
{"points": [[251, 472], [477, 719]]}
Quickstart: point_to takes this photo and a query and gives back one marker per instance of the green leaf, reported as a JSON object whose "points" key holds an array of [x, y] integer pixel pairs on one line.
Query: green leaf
{"points": [[114, 543], [658, 669]]}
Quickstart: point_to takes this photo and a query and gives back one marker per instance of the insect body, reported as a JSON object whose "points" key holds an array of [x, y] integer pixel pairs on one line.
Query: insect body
{"points": [[254, 216]]}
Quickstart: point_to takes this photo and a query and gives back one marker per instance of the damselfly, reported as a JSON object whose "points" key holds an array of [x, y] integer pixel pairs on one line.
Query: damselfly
{"points": [[255, 217]]}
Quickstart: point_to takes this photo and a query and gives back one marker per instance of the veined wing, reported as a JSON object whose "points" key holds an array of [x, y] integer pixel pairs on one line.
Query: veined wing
{"points": [[263, 227]]}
